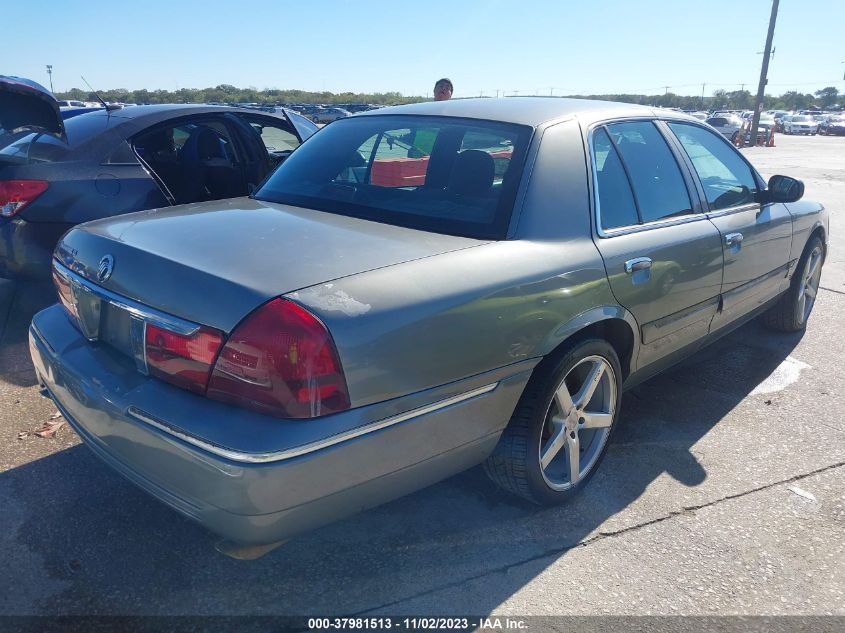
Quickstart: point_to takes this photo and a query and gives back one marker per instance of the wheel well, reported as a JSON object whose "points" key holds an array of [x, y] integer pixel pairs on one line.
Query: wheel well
{"points": [[616, 332], [819, 231]]}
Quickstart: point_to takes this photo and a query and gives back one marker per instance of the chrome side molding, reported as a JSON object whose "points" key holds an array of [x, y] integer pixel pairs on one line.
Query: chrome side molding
{"points": [[278, 456]]}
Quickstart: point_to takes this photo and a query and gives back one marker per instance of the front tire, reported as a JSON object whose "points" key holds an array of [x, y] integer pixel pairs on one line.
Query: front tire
{"points": [[561, 427], [791, 312]]}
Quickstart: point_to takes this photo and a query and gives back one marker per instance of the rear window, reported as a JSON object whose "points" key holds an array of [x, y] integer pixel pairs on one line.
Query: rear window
{"points": [[33, 147], [447, 175], [37, 147]]}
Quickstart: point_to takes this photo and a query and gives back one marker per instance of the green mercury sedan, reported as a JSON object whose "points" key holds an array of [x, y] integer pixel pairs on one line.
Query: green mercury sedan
{"points": [[415, 291]]}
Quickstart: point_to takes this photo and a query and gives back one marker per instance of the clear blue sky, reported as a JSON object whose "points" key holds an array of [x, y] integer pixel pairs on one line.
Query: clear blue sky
{"points": [[530, 46]]}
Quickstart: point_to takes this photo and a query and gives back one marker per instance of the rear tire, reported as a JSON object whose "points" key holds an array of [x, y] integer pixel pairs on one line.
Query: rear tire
{"points": [[562, 425], [791, 312]]}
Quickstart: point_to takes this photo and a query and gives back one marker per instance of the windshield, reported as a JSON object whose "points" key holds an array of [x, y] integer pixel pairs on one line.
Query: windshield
{"points": [[447, 175], [800, 119]]}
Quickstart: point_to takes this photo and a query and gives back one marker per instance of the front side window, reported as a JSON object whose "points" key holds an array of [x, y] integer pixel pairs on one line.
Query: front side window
{"points": [[725, 176], [659, 188], [454, 176]]}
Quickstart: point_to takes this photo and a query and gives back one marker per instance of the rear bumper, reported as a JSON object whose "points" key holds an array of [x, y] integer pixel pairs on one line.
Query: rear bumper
{"points": [[26, 248], [154, 435]]}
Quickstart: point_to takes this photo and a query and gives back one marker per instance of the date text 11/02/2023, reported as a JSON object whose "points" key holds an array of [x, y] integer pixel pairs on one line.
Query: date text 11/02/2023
{"points": [[417, 623]]}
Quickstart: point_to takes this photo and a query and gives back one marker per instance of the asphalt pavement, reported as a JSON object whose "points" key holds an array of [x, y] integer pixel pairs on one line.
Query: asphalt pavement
{"points": [[723, 492]]}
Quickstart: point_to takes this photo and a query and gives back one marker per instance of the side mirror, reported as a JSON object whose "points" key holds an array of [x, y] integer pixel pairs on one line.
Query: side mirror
{"points": [[782, 189]]}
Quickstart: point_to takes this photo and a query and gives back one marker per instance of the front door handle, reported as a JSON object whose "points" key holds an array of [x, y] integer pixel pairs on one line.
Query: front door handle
{"points": [[637, 264], [733, 239]]}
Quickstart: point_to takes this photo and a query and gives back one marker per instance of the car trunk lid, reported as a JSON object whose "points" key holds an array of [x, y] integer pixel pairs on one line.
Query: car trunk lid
{"points": [[27, 105], [214, 263]]}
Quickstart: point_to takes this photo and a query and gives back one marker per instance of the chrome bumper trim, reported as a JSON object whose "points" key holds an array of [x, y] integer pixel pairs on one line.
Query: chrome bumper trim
{"points": [[277, 456]]}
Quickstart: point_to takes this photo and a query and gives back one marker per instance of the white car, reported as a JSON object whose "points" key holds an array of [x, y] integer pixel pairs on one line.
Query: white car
{"points": [[800, 124], [727, 126]]}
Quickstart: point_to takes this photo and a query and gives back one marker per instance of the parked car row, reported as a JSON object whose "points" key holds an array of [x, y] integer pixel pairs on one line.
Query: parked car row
{"points": [[327, 114], [410, 293], [729, 124]]}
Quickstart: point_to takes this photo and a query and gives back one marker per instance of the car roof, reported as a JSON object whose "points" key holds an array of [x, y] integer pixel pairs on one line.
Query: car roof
{"points": [[533, 111], [164, 111]]}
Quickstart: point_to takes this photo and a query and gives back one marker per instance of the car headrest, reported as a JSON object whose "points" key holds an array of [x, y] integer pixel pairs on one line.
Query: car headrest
{"points": [[472, 173]]}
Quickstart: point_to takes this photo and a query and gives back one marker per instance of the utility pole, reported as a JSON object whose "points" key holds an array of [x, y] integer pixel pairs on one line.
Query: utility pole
{"points": [[50, 73], [702, 96], [667, 90], [764, 71]]}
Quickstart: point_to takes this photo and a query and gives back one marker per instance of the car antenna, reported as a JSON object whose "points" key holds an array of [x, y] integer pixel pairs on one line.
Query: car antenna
{"points": [[108, 107]]}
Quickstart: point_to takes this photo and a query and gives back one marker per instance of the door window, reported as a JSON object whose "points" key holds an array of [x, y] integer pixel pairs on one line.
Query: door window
{"points": [[727, 179], [195, 160], [615, 200], [659, 188], [274, 137]]}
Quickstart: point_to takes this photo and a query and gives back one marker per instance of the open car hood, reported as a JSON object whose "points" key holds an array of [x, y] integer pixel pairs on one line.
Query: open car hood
{"points": [[25, 104]]}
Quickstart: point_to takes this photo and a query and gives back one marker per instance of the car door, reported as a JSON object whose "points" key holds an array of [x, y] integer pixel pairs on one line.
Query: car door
{"points": [[256, 162], [662, 255], [278, 137], [756, 239]]}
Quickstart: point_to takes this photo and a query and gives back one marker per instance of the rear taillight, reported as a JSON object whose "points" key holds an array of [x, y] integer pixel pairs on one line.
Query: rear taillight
{"points": [[184, 361], [16, 194], [281, 360]]}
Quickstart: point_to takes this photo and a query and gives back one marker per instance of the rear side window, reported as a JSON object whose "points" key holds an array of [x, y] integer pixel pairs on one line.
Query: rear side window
{"points": [[727, 180], [446, 175], [613, 192], [659, 188]]}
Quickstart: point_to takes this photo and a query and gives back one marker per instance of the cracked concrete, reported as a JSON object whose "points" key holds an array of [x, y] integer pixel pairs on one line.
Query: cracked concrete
{"points": [[424, 601]]}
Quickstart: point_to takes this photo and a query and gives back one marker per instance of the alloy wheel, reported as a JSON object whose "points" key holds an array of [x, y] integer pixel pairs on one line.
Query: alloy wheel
{"points": [[809, 288], [577, 423]]}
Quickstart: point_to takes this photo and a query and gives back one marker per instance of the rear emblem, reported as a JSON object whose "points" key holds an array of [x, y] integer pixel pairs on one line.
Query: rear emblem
{"points": [[105, 267]]}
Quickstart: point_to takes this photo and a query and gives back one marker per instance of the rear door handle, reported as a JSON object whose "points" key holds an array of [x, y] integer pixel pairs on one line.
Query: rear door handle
{"points": [[733, 239], [637, 264]]}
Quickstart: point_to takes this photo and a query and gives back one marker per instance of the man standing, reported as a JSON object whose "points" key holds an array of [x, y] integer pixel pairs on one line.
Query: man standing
{"points": [[443, 90]]}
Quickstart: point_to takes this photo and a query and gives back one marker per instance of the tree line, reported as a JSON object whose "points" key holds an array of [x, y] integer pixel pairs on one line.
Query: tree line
{"points": [[824, 98]]}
